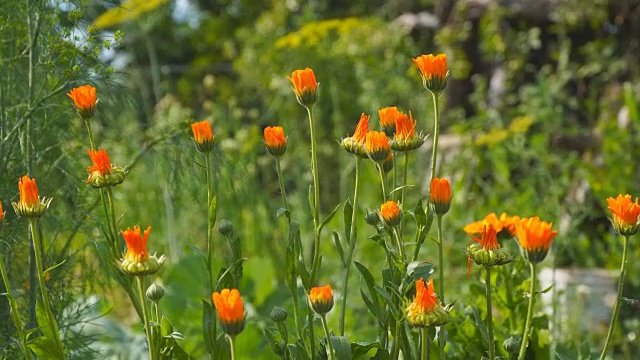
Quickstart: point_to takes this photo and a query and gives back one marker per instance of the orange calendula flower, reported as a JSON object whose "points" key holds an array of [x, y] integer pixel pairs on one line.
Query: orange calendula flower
{"points": [[500, 223], [203, 136], [534, 237], [230, 310], [377, 145], [102, 173], [626, 214], [433, 70], [305, 86], [84, 99], [486, 250], [356, 144], [30, 205], [388, 119], [425, 310], [391, 213], [440, 195], [137, 261], [275, 141], [405, 138], [321, 298]]}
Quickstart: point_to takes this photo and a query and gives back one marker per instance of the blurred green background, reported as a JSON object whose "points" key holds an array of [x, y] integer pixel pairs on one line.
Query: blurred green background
{"points": [[541, 117]]}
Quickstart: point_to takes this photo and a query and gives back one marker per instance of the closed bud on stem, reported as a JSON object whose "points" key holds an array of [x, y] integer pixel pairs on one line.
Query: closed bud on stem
{"points": [[275, 141], [230, 311], [85, 100], [155, 293], [391, 213], [305, 87], [225, 227], [203, 136], [440, 196], [278, 314]]}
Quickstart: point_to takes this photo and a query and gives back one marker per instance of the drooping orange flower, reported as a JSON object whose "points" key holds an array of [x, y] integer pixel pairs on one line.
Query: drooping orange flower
{"points": [[433, 70], [534, 237], [626, 214], [230, 310], [425, 309], [101, 164], [136, 244], [388, 119], [84, 99], [377, 145], [30, 205], [391, 213], [440, 195], [275, 141], [203, 136], [305, 86], [321, 298]]}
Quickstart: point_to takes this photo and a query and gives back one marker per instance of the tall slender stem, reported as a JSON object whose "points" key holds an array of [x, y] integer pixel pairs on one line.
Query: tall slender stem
{"points": [[112, 219], [492, 349], [232, 346], [400, 243], [207, 161], [282, 190], [405, 171], [383, 182], [88, 125], [441, 339], [352, 245], [316, 197], [616, 308], [328, 336], [527, 325], [436, 132], [145, 313], [424, 343], [312, 337], [15, 315]]}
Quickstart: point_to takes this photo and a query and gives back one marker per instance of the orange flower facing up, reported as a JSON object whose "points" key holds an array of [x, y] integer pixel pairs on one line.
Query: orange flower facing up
{"points": [[31, 204], [203, 136], [433, 70], [102, 173], [626, 214], [84, 99], [406, 138], [440, 195], [137, 261], [305, 87], [377, 146], [425, 310], [321, 298], [356, 144], [534, 237], [486, 250], [275, 141], [230, 310], [504, 222], [388, 119], [391, 213]]}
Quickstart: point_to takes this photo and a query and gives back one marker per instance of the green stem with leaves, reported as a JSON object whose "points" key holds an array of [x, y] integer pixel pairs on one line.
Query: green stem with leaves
{"points": [[436, 133], [15, 315], [616, 308], [145, 313], [527, 325], [316, 198], [325, 326], [492, 349], [210, 220]]}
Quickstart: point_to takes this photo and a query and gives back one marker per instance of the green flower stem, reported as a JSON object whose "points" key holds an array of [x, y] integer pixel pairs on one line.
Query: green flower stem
{"points": [[436, 132], [15, 315], [492, 349], [37, 245], [207, 162], [296, 315], [282, 191], [383, 182], [88, 125], [145, 313], [113, 221], [397, 343], [316, 197], [527, 325], [616, 308], [232, 346], [424, 343], [510, 304], [400, 245], [312, 337], [352, 246], [441, 339], [405, 171], [326, 333]]}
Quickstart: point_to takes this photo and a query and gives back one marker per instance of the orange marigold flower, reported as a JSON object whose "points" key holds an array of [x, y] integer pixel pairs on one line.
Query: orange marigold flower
{"points": [[440, 195], [84, 99], [486, 250], [30, 205], [534, 237], [102, 172], [203, 136], [500, 223], [489, 238], [388, 119], [137, 260], [405, 138], [425, 310], [305, 86], [377, 145], [356, 143], [391, 213], [626, 214], [433, 70], [275, 141], [230, 310], [321, 298]]}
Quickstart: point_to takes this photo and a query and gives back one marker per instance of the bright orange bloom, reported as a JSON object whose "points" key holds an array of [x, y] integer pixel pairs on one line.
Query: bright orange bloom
{"points": [[360, 134], [489, 238], [101, 164], [84, 99], [377, 145], [1, 212], [535, 236], [440, 195], [28, 192], [626, 214], [503, 222], [405, 127], [230, 310], [388, 119], [321, 298], [433, 70], [425, 309], [136, 244], [356, 144], [275, 140], [305, 86], [203, 136], [391, 213]]}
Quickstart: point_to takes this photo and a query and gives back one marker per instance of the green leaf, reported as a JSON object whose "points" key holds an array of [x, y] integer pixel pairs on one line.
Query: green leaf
{"points": [[311, 202], [389, 300], [298, 351], [55, 266], [347, 213], [167, 327], [326, 220], [381, 354], [50, 331], [208, 322], [369, 281], [45, 348], [341, 347], [336, 241], [418, 270], [282, 211], [360, 349], [213, 209]]}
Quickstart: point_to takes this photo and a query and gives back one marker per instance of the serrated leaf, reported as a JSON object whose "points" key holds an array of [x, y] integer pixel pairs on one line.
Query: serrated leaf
{"points": [[419, 270], [336, 241]]}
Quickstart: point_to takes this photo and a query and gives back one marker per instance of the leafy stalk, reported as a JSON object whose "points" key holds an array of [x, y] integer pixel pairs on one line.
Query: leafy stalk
{"points": [[15, 315], [527, 326], [616, 308], [147, 323]]}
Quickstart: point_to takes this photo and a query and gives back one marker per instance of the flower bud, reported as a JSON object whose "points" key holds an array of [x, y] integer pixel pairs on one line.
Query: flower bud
{"points": [[278, 314], [321, 298], [225, 227], [155, 293]]}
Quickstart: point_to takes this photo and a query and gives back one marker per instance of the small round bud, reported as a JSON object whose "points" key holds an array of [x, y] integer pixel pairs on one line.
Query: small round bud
{"points": [[225, 227], [512, 344], [278, 314], [155, 293], [372, 218]]}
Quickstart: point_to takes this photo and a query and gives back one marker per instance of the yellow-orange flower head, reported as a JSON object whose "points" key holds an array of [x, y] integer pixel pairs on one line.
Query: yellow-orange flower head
{"points": [[84, 99], [440, 195], [388, 119], [230, 310], [425, 310], [203, 136], [321, 299], [356, 144], [305, 87], [486, 250], [626, 214], [405, 138], [504, 222], [102, 173], [137, 261], [433, 70], [534, 237], [275, 141], [377, 146], [30, 205], [391, 213]]}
